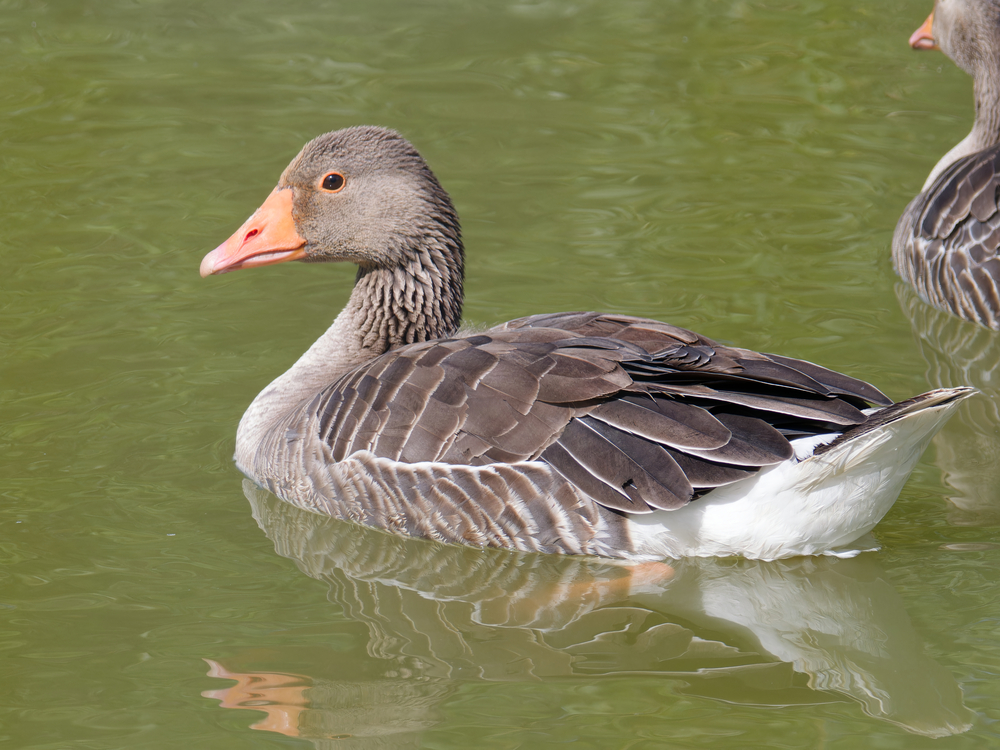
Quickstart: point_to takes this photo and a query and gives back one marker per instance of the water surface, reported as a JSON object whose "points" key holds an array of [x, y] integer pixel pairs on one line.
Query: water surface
{"points": [[732, 167]]}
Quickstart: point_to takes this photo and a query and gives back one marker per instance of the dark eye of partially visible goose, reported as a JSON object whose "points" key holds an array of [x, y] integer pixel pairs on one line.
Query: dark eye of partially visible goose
{"points": [[333, 182]]}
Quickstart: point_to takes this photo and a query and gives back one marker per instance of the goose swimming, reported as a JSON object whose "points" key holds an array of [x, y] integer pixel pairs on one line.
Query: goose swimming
{"points": [[947, 242], [575, 433]]}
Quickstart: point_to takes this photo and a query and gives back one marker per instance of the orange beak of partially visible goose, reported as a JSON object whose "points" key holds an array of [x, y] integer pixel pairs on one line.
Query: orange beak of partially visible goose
{"points": [[267, 237], [923, 38]]}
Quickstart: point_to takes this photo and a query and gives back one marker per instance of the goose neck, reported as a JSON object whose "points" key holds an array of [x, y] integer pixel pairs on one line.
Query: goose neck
{"points": [[986, 128]]}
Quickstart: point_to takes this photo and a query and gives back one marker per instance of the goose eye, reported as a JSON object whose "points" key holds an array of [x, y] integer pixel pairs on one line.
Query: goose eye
{"points": [[333, 182]]}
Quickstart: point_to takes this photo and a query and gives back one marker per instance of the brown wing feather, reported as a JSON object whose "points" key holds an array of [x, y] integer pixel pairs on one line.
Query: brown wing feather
{"points": [[637, 414], [664, 421]]}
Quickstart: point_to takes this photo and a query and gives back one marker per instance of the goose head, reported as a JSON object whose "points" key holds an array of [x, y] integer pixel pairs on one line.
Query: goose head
{"points": [[362, 195], [967, 31]]}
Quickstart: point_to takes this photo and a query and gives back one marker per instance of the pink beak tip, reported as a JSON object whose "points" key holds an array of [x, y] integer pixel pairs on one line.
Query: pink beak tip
{"points": [[209, 262]]}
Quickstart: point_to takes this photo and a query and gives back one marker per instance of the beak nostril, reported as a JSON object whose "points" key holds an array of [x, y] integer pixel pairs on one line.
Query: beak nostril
{"points": [[268, 236]]}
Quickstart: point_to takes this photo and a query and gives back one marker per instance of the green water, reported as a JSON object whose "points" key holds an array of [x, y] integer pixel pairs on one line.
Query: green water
{"points": [[732, 167]]}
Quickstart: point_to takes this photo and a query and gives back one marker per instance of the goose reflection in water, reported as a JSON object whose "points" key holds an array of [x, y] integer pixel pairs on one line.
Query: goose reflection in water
{"points": [[791, 632], [968, 449]]}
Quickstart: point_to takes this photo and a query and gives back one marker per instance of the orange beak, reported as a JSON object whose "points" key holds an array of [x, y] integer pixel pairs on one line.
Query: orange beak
{"points": [[923, 38], [267, 237]]}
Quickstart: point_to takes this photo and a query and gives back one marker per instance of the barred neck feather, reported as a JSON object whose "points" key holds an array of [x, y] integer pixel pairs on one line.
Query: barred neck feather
{"points": [[419, 300]]}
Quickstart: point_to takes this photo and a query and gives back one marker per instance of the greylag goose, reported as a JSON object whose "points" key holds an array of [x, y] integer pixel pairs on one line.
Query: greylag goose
{"points": [[947, 240], [577, 433]]}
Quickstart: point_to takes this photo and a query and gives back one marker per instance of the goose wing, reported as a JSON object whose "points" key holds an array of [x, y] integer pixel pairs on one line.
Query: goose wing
{"points": [[635, 413], [947, 243]]}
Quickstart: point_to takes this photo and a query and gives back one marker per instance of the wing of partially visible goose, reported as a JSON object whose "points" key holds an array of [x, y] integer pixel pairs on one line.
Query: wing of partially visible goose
{"points": [[947, 243]]}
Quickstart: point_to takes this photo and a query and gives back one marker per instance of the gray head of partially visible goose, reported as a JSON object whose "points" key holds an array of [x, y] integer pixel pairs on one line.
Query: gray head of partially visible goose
{"points": [[578, 433], [947, 240]]}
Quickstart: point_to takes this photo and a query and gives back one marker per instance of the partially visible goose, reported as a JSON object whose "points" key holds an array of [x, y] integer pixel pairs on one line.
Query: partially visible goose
{"points": [[947, 242], [576, 433]]}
